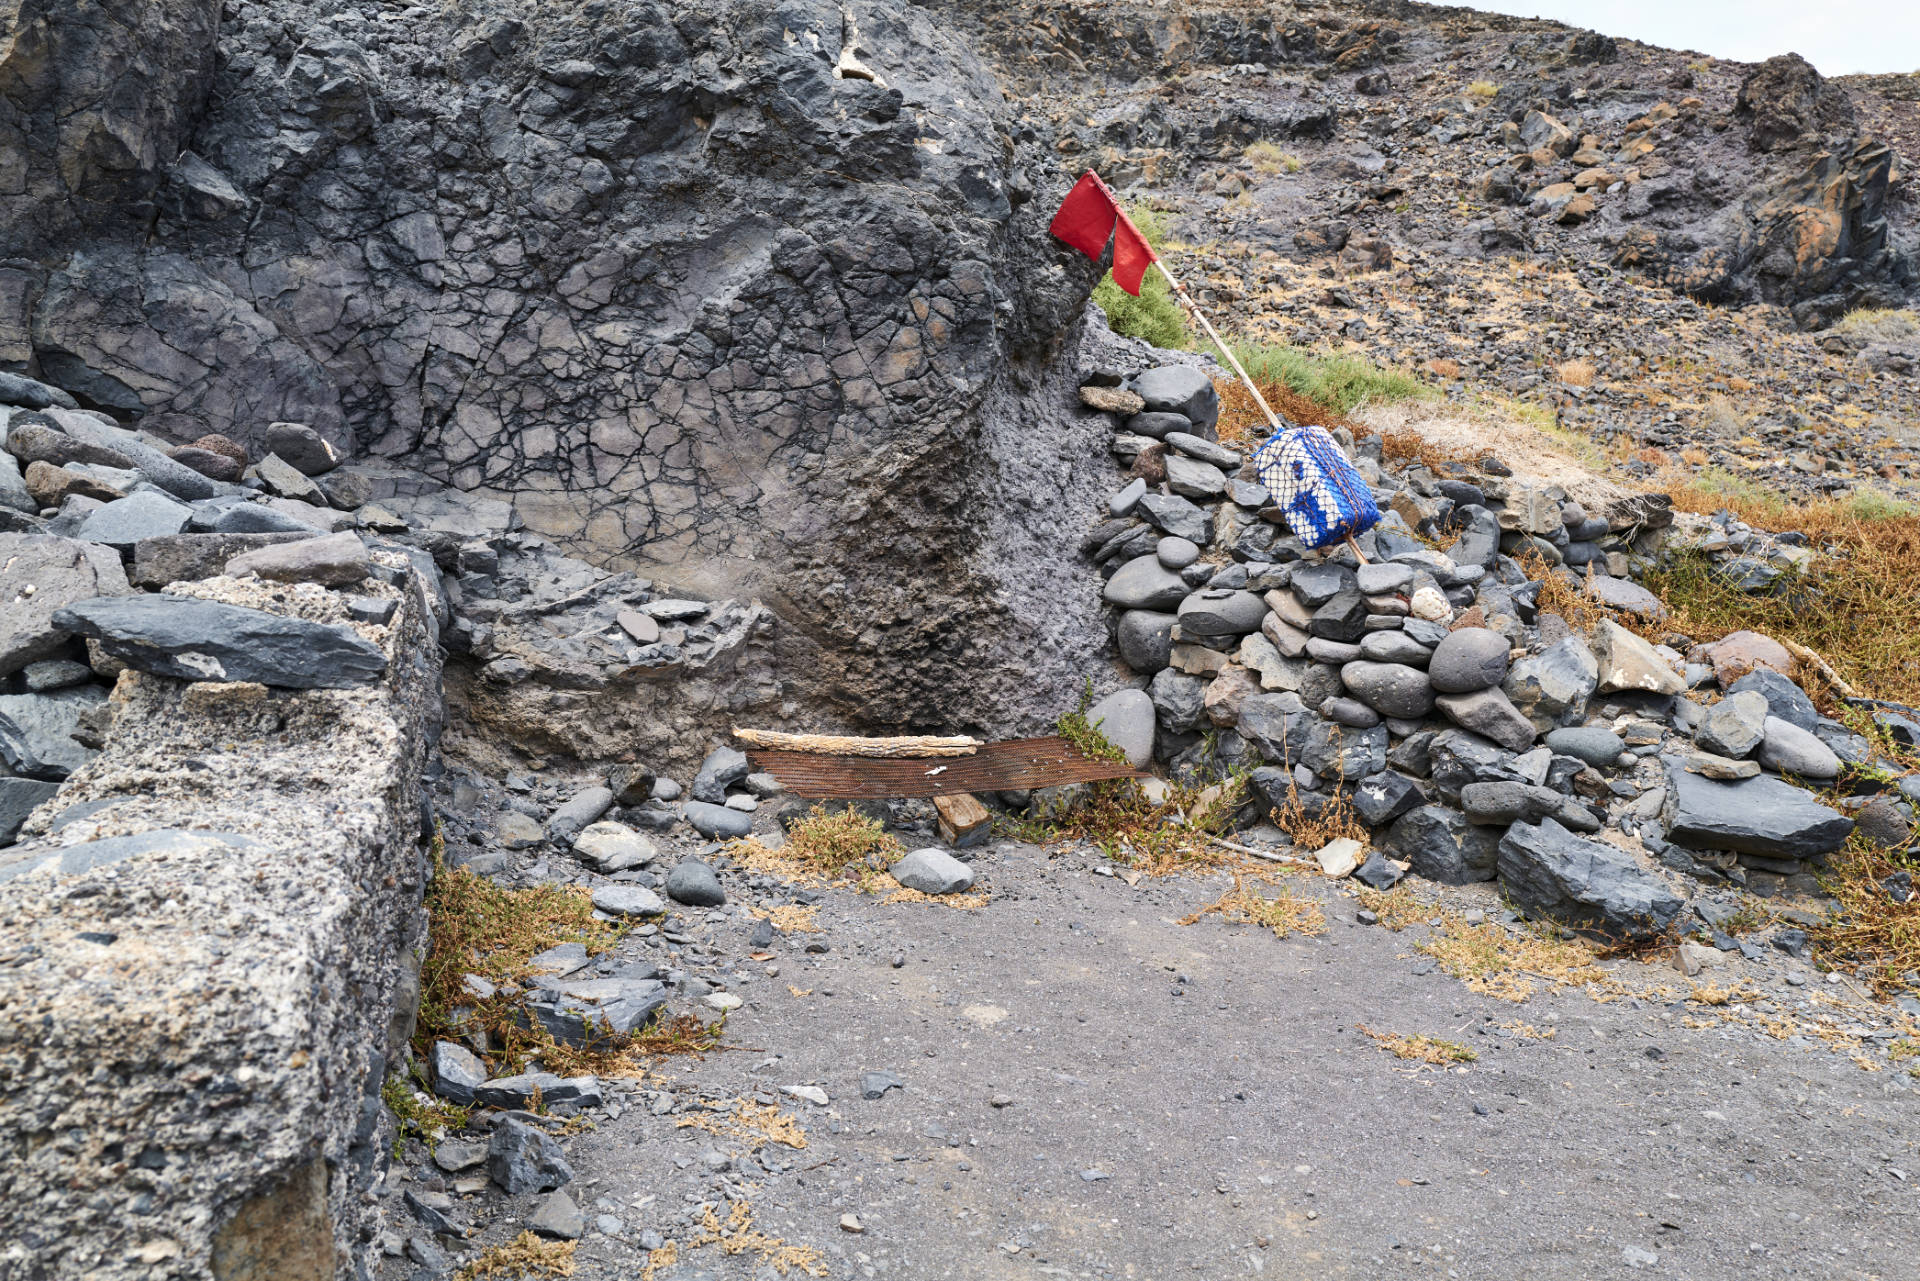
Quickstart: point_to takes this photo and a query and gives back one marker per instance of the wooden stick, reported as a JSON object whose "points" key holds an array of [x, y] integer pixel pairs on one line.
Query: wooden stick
{"points": [[1193, 309], [1261, 854], [844, 745], [1820, 665]]}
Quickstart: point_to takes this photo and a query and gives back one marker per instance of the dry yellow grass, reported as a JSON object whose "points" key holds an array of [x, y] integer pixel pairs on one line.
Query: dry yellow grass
{"points": [[1577, 373], [745, 1121], [738, 1235], [1419, 1048], [1285, 913], [523, 1257], [1868, 931]]}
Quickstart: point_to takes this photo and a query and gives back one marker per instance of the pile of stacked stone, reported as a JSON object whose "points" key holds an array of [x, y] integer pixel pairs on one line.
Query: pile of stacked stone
{"points": [[1475, 734]]}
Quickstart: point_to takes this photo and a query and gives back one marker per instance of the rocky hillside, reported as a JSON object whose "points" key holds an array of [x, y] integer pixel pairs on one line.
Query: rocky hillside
{"points": [[1650, 243]]}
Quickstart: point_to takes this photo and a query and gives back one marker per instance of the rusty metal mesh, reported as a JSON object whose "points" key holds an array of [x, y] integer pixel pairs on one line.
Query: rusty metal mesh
{"points": [[997, 767]]}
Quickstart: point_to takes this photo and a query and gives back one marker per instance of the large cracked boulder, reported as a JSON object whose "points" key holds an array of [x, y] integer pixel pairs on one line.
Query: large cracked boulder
{"points": [[755, 300]]}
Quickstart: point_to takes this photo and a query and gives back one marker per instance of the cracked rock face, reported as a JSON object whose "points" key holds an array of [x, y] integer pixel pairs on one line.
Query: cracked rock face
{"points": [[752, 299]]}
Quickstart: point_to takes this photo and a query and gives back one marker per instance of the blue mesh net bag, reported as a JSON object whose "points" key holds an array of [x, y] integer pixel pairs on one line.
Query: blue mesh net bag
{"points": [[1324, 498]]}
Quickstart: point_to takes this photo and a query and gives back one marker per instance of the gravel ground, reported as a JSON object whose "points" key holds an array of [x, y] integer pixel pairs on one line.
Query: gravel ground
{"points": [[1092, 1090]]}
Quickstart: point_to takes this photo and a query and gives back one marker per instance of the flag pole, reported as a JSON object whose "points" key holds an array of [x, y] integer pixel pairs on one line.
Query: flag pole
{"points": [[1193, 309]]}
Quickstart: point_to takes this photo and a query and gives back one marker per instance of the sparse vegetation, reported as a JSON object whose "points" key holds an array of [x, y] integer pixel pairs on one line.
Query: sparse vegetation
{"points": [[1268, 159], [1880, 325], [1421, 1049], [833, 842], [523, 1257], [1155, 315], [485, 929], [1869, 932], [1482, 89], [1336, 380], [1285, 913], [420, 1115]]}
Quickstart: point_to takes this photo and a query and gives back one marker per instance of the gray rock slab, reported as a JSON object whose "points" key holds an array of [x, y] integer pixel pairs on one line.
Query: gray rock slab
{"points": [[457, 1071], [522, 1158], [1191, 478], [1784, 699], [722, 768], [1491, 715], [1594, 744], [1179, 389], [628, 900], [201, 640], [1592, 885], [1206, 451], [40, 574], [333, 560], [125, 521], [19, 797], [1552, 687], [578, 812], [1172, 514], [1763, 816], [36, 731]]}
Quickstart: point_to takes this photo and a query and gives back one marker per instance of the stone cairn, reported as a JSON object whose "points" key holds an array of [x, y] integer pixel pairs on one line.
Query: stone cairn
{"points": [[1476, 735]]}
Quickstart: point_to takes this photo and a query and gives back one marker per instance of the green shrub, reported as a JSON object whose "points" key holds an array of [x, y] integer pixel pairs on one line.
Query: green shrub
{"points": [[1339, 380], [1155, 315]]}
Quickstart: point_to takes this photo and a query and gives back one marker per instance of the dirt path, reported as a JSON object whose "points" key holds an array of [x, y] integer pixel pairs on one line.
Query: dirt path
{"points": [[1092, 1090]]}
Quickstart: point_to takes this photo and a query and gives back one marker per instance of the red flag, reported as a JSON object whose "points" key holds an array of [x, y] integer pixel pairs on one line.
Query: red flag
{"points": [[1131, 255], [1089, 216]]}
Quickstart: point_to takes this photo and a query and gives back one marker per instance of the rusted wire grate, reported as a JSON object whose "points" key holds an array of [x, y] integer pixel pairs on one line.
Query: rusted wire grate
{"points": [[997, 767]]}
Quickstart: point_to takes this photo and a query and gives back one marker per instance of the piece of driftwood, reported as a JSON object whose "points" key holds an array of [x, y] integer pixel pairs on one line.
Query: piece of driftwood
{"points": [[845, 745], [1820, 665]]}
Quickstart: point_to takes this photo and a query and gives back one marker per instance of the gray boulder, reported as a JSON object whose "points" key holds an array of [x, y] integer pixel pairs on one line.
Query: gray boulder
{"points": [[303, 448], [1384, 797], [1221, 612], [1761, 816], [1592, 885], [125, 521], [1487, 712], [1275, 726], [1456, 758], [1552, 687], [40, 575], [1626, 662], [1469, 659], [457, 1071], [1191, 478], [559, 1218], [1789, 749], [1389, 688], [19, 797], [522, 1158], [933, 871], [1784, 699], [576, 1011], [1143, 583], [1498, 804], [1126, 718], [36, 731], [1394, 646], [1594, 744], [1336, 752], [1179, 701], [202, 640], [1183, 390], [694, 883], [723, 767], [1734, 726], [1443, 846], [717, 821]]}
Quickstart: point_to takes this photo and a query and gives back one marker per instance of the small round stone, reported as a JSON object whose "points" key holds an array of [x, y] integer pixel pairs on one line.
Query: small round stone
{"points": [[1176, 553], [1469, 659]]}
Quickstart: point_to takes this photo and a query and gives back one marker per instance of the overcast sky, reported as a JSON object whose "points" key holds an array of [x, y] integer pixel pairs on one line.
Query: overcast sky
{"points": [[1837, 36]]}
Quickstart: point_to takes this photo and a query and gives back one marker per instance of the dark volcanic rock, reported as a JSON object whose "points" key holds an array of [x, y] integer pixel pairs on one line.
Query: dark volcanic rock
{"points": [[1550, 871], [1443, 846], [201, 640], [1763, 816]]}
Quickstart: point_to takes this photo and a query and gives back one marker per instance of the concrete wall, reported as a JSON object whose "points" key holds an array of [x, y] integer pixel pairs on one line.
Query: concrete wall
{"points": [[201, 944]]}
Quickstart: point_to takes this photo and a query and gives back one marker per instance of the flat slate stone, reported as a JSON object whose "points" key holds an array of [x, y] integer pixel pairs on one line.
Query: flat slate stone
{"points": [[1762, 816], [19, 797], [36, 731], [1144, 583], [1589, 884], [933, 871], [717, 821], [1594, 744], [41, 574], [125, 521], [202, 640]]}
